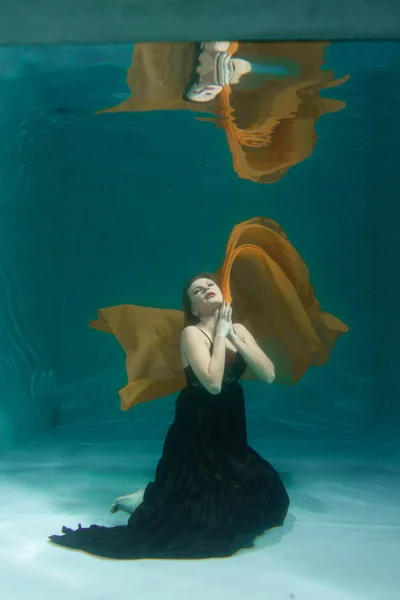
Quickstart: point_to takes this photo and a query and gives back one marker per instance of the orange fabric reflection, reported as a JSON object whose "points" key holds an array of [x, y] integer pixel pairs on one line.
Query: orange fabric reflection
{"points": [[269, 285], [269, 121]]}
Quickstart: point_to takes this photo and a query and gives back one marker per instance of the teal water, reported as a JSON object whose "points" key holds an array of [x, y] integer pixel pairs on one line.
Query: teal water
{"points": [[105, 209]]}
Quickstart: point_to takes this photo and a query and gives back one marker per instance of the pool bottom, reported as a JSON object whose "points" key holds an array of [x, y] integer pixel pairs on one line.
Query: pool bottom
{"points": [[340, 540]]}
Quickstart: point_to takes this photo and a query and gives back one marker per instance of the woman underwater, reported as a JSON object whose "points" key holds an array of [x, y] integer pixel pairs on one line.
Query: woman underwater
{"points": [[212, 494]]}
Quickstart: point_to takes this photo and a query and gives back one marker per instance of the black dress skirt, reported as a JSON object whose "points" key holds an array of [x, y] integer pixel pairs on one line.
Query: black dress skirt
{"points": [[212, 494]]}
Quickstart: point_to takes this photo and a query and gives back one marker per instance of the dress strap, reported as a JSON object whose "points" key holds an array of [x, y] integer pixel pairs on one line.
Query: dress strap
{"points": [[207, 336]]}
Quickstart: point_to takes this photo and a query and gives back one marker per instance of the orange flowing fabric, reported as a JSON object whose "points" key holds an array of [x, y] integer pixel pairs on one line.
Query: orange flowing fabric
{"points": [[269, 122], [269, 286]]}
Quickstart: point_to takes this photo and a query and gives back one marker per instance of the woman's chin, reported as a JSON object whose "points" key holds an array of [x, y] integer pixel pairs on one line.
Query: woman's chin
{"points": [[210, 306], [214, 304]]}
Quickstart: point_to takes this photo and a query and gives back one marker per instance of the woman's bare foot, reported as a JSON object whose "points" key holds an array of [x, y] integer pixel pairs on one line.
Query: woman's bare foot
{"points": [[128, 503]]}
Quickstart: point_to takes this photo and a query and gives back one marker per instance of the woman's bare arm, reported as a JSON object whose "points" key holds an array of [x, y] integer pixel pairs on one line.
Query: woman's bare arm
{"points": [[251, 352], [209, 369]]}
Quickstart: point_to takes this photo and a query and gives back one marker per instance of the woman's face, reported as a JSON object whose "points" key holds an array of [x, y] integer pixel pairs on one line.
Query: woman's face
{"points": [[205, 297]]}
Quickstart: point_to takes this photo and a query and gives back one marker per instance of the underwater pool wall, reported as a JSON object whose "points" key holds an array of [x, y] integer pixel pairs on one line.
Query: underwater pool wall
{"points": [[87, 207], [383, 177], [31, 261]]}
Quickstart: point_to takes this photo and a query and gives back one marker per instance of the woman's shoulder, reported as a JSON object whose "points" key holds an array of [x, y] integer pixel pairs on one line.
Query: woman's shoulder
{"points": [[190, 332]]}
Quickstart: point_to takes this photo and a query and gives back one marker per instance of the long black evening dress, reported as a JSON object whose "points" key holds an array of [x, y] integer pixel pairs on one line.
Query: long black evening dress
{"points": [[212, 494]]}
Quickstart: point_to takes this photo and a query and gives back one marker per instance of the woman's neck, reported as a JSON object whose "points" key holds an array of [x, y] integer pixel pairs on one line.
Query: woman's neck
{"points": [[209, 324]]}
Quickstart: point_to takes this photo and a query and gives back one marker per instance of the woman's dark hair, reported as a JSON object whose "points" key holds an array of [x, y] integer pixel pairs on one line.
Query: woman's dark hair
{"points": [[190, 318]]}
